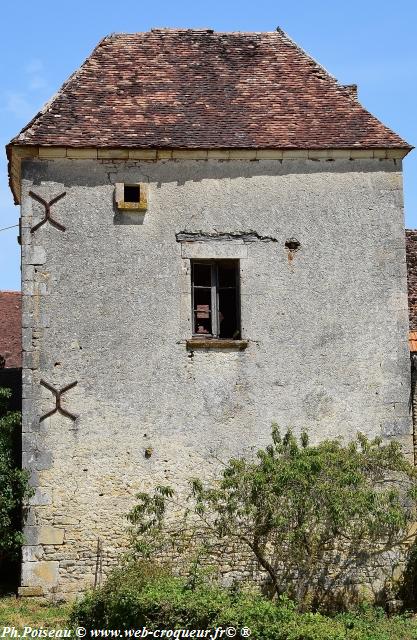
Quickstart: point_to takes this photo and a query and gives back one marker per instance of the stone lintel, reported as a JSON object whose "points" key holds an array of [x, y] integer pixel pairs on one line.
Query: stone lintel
{"points": [[214, 250]]}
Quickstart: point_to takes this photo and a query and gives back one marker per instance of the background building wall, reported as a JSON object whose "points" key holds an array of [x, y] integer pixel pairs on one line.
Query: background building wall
{"points": [[10, 329], [107, 304]]}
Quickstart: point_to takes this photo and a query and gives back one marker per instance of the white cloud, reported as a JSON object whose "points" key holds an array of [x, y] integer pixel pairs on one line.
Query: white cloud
{"points": [[35, 72], [37, 82], [34, 66], [23, 104], [18, 105]]}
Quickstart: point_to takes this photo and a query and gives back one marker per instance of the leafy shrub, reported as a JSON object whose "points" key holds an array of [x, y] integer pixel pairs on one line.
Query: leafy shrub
{"points": [[309, 515], [13, 482], [140, 595]]}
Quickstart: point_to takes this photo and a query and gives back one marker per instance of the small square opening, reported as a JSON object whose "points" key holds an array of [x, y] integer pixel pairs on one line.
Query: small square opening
{"points": [[131, 193]]}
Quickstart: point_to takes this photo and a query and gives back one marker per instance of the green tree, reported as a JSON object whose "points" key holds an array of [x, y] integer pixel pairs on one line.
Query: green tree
{"points": [[13, 481], [308, 514]]}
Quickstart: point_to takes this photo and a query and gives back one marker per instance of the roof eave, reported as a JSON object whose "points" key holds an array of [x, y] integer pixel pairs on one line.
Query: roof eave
{"points": [[16, 152]]}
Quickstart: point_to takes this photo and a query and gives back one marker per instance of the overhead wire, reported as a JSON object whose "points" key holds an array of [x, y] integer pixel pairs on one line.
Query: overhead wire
{"points": [[12, 226]]}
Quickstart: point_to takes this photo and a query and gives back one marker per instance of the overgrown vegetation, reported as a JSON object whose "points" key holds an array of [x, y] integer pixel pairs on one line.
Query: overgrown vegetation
{"points": [[13, 482], [22, 612], [311, 516], [140, 595]]}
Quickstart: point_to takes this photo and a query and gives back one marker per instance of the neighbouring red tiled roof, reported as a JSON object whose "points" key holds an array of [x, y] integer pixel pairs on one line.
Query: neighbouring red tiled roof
{"points": [[412, 340], [190, 88], [11, 328]]}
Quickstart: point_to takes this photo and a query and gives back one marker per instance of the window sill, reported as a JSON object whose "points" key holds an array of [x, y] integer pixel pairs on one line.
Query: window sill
{"points": [[132, 206], [216, 343]]}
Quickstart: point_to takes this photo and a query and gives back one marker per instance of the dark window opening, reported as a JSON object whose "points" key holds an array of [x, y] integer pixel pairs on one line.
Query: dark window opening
{"points": [[215, 299], [131, 193]]}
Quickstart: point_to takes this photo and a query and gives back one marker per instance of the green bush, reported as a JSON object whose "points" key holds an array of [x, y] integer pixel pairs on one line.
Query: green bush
{"points": [[311, 516], [140, 595], [13, 482]]}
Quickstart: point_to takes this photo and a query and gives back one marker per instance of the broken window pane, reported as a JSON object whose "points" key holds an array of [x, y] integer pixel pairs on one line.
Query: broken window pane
{"points": [[201, 274], [202, 311], [216, 305], [227, 274], [228, 320]]}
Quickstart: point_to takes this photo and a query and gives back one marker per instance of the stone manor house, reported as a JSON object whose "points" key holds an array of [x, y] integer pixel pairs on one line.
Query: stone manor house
{"points": [[212, 240]]}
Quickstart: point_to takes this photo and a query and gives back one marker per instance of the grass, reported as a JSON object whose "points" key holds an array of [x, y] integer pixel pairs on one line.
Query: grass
{"points": [[367, 624], [34, 613]]}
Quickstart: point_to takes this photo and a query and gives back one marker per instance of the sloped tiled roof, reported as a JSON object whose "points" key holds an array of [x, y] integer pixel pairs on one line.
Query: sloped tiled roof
{"points": [[190, 88], [10, 328]]}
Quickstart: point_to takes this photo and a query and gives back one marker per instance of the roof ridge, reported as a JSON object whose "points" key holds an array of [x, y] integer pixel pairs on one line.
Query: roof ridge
{"points": [[285, 36]]}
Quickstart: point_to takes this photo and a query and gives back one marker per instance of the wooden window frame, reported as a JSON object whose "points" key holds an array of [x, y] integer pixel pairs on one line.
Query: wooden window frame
{"points": [[215, 289]]}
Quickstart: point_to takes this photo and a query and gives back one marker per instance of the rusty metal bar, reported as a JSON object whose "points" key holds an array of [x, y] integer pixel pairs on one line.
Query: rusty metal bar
{"points": [[58, 393], [48, 217]]}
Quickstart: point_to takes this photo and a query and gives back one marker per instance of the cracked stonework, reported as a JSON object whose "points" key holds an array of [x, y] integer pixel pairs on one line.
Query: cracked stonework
{"points": [[206, 236]]}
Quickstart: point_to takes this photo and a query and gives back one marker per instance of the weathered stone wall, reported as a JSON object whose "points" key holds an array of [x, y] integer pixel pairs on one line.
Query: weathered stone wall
{"points": [[411, 251], [106, 304]]}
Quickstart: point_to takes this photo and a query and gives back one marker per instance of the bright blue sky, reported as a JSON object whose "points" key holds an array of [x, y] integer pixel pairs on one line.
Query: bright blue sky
{"points": [[369, 42]]}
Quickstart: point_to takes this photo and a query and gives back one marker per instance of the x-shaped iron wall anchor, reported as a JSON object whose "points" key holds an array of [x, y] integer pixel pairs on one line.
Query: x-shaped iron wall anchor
{"points": [[58, 393], [48, 217]]}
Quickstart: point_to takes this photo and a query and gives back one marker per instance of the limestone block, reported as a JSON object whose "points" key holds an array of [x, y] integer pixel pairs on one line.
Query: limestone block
{"points": [[30, 592], [27, 288], [243, 154], [26, 339], [164, 154], [52, 152], [194, 154], [40, 498], [269, 154], [41, 573], [116, 154], [142, 154], [396, 153], [51, 535], [27, 391], [37, 256], [44, 535], [27, 320], [31, 553], [82, 153], [293, 154], [28, 272], [218, 154], [359, 153]]}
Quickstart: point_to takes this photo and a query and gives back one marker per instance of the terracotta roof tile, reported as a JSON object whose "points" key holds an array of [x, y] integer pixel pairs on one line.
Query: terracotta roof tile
{"points": [[412, 341], [190, 88], [11, 328]]}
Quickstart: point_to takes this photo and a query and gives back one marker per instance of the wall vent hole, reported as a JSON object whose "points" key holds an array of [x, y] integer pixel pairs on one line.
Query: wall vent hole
{"points": [[292, 244], [131, 193]]}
